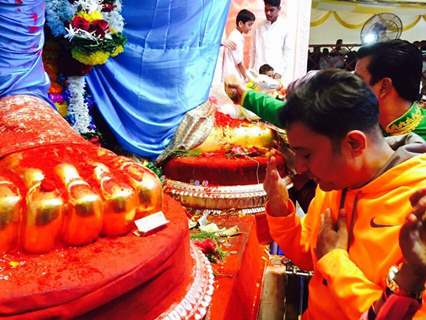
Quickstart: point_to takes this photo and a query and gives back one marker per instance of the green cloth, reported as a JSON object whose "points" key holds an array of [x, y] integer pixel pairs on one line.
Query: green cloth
{"points": [[268, 108], [414, 120], [265, 106], [421, 128]]}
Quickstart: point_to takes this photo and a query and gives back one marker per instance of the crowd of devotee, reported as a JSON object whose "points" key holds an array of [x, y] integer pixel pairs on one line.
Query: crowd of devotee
{"points": [[343, 56], [354, 147]]}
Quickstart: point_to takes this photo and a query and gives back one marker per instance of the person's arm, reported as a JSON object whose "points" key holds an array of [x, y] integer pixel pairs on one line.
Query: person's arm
{"points": [[242, 70], [229, 44], [265, 106], [238, 55], [291, 233], [405, 299], [352, 290]]}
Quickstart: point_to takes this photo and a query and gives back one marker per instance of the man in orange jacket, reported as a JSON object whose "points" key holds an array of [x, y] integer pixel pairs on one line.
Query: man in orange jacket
{"points": [[349, 236]]}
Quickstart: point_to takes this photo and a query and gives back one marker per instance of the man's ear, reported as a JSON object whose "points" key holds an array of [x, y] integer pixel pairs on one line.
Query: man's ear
{"points": [[386, 87], [355, 142]]}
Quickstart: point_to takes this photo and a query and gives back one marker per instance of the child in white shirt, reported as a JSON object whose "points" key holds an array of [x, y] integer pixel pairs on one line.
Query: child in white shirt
{"points": [[233, 59]]}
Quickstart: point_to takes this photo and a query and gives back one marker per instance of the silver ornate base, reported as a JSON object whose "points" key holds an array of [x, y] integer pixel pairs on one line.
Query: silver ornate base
{"points": [[244, 197]]}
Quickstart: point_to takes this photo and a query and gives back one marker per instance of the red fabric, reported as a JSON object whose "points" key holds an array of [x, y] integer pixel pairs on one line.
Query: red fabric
{"points": [[148, 274], [220, 169], [27, 122], [239, 278], [262, 229], [398, 308]]}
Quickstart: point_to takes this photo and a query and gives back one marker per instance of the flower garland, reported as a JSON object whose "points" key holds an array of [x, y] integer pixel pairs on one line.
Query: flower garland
{"points": [[94, 33], [77, 107], [58, 13]]}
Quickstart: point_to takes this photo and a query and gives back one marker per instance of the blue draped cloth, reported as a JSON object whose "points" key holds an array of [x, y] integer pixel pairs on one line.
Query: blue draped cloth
{"points": [[166, 70], [21, 44]]}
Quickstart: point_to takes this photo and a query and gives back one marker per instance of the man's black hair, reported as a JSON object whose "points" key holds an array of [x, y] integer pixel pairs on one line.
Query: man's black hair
{"points": [[273, 3], [399, 60], [332, 103], [245, 16]]}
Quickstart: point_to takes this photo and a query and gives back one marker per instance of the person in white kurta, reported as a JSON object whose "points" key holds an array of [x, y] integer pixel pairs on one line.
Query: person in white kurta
{"points": [[233, 58], [271, 44]]}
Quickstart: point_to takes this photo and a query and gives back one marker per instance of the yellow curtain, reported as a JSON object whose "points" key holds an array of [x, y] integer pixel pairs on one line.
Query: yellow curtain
{"points": [[412, 24], [321, 20], [348, 24], [366, 8], [353, 21]]}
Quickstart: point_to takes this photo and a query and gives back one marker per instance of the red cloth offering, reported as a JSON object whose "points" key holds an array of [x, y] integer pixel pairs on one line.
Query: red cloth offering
{"points": [[127, 277]]}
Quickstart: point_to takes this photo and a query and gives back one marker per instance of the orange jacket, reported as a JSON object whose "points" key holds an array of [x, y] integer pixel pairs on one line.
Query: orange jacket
{"points": [[345, 283]]}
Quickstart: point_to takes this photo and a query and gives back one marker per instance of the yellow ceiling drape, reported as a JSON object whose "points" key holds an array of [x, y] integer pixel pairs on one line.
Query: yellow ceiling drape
{"points": [[351, 20], [412, 24], [322, 19], [370, 8], [347, 24]]}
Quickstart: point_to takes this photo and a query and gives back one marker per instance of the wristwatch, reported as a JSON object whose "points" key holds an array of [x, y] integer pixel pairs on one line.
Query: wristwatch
{"points": [[394, 287]]}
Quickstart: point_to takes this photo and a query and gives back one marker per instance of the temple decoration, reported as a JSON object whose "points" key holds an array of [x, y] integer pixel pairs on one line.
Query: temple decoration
{"points": [[357, 18], [93, 29], [91, 33], [57, 189], [67, 209], [221, 165]]}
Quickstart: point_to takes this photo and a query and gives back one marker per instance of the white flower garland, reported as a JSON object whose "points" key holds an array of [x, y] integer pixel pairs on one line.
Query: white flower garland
{"points": [[88, 5], [77, 107], [71, 33], [115, 19]]}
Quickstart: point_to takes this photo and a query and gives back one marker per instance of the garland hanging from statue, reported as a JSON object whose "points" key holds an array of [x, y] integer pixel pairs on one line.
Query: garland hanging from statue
{"points": [[91, 31]]}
